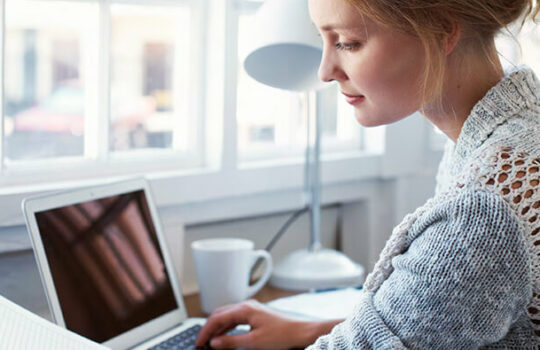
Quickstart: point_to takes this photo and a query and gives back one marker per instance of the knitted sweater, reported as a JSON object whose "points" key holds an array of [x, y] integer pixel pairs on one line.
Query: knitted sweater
{"points": [[463, 270]]}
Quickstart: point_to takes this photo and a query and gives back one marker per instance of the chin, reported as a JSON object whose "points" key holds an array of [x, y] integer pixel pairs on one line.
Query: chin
{"points": [[368, 120]]}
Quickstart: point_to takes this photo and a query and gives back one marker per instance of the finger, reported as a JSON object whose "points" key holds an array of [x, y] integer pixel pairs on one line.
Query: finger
{"points": [[213, 325], [220, 322], [244, 340]]}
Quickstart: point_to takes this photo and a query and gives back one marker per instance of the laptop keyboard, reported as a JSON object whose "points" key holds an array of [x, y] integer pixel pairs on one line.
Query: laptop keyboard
{"points": [[185, 340]]}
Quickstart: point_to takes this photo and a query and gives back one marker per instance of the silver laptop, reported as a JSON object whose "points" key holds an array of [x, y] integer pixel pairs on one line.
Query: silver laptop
{"points": [[105, 266]]}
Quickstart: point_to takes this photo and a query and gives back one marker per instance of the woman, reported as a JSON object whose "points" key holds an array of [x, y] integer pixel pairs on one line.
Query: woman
{"points": [[462, 271]]}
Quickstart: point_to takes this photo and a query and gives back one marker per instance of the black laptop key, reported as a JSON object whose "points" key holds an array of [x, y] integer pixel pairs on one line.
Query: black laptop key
{"points": [[185, 340]]}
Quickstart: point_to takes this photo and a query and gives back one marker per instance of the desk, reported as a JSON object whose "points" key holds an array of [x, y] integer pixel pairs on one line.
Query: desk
{"points": [[267, 293]]}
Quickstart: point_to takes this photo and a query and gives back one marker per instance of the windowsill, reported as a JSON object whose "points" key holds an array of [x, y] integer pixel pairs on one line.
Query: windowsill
{"points": [[278, 184], [202, 196], [325, 158]]}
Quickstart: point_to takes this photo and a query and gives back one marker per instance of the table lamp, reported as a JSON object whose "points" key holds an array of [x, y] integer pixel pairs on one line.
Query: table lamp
{"points": [[285, 53]]}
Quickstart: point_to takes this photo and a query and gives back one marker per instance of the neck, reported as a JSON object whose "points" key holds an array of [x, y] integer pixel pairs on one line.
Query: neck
{"points": [[468, 78]]}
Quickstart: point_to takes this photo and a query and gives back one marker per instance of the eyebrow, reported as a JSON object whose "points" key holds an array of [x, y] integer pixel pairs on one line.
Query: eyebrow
{"points": [[361, 26], [329, 27], [357, 30]]}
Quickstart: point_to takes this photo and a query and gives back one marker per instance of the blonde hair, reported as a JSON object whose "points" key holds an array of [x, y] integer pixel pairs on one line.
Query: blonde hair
{"points": [[433, 21]]}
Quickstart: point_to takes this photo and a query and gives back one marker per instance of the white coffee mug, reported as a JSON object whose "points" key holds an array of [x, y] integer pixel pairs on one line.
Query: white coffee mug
{"points": [[223, 268]]}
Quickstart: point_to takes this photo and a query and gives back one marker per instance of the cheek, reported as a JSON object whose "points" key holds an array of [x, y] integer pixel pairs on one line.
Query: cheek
{"points": [[393, 75], [390, 85]]}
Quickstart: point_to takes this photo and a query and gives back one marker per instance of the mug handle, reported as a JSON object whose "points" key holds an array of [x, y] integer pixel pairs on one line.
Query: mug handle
{"points": [[266, 275]]}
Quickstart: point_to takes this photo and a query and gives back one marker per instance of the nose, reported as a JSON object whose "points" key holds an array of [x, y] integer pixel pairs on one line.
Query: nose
{"points": [[330, 69]]}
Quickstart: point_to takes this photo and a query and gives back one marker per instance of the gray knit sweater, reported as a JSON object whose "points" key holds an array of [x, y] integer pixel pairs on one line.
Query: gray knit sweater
{"points": [[463, 270]]}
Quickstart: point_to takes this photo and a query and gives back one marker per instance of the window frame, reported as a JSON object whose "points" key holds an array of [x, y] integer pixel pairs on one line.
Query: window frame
{"points": [[2, 77], [221, 187], [97, 128], [330, 143]]}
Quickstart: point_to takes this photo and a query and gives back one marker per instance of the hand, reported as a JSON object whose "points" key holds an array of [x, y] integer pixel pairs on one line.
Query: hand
{"points": [[269, 329]]}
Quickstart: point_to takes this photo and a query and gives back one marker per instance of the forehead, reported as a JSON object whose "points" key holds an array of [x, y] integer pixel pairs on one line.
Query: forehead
{"points": [[331, 15]]}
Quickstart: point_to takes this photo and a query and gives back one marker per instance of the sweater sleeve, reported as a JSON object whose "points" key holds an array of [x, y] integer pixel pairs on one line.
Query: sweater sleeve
{"points": [[461, 284]]}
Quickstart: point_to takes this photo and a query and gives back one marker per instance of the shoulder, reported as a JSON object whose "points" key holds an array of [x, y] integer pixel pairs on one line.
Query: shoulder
{"points": [[468, 216], [506, 163], [511, 174], [504, 170]]}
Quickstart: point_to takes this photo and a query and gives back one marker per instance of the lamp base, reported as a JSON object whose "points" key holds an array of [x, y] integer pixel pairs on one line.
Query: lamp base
{"points": [[305, 270]]}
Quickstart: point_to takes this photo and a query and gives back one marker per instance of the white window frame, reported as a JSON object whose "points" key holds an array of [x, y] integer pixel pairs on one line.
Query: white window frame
{"points": [[2, 75], [221, 188], [96, 128]]}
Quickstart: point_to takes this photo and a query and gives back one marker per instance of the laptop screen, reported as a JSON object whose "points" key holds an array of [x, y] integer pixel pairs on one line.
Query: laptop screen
{"points": [[106, 264]]}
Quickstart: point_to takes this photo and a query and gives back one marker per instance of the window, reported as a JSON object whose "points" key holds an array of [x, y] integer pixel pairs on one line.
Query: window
{"points": [[521, 48], [93, 82], [45, 89], [89, 83], [341, 131], [105, 89], [149, 64], [272, 122]]}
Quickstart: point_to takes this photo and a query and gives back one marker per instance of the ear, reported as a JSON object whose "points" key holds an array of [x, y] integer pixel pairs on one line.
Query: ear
{"points": [[452, 38]]}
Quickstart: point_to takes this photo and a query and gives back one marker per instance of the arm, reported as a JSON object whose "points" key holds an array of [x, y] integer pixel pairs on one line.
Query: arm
{"points": [[463, 283], [314, 330], [269, 329]]}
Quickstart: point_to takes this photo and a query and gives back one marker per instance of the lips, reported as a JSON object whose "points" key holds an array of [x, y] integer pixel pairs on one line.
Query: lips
{"points": [[353, 99]]}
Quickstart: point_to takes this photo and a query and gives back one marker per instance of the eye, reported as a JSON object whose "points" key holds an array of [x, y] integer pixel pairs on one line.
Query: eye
{"points": [[347, 46]]}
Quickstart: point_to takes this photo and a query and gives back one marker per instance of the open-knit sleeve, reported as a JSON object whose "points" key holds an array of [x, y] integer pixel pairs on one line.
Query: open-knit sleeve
{"points": [[464, 282]]}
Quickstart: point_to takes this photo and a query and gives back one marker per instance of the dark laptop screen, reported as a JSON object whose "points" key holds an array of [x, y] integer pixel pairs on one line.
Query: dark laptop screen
{"points": [[106, 264]]}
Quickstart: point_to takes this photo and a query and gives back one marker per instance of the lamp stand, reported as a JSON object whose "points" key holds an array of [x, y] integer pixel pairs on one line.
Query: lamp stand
{"points": [[315, 267]]}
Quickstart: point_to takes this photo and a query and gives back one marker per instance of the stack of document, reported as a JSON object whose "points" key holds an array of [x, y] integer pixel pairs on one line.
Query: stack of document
{"points": [[327, 305], [20, 330]]}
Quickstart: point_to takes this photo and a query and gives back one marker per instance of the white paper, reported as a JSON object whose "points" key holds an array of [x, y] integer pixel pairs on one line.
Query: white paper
{"points": [[336, 304], [22, 330]]}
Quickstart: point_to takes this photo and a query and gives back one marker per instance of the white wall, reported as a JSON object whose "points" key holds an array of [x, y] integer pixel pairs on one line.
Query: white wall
{"points": [[360, 228]]}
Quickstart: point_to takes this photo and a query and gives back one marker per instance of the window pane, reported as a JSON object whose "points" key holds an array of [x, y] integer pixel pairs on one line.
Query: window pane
{"points": [[526, 50], [340, 130], [530, 42], [149, 92], [47, 57], [270, 121]]}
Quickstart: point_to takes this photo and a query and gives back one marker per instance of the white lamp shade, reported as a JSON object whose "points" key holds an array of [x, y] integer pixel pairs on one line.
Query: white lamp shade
{"points": [[285, 56]]}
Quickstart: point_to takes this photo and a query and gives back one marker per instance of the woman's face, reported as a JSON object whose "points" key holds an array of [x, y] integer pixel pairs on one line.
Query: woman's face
{"points": [[378, 70]]}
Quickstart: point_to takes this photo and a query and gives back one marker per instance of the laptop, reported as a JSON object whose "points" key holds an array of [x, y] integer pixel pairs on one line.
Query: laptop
{"points": [[105, 266]]}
